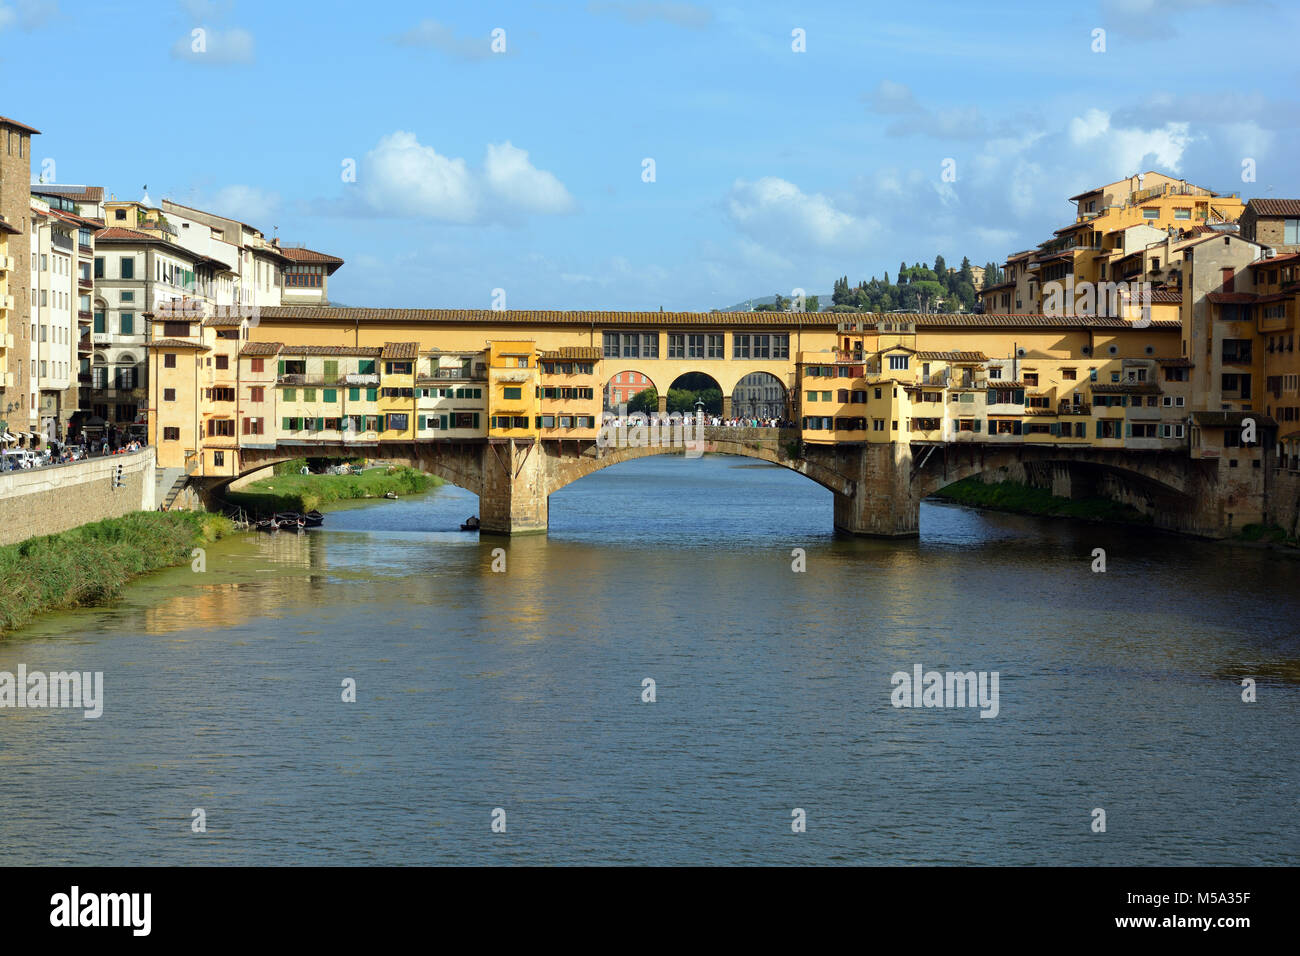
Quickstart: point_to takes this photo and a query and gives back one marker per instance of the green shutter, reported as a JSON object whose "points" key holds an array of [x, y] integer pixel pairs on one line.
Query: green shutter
{"points": [[331, 369], [380, 420], [285, 425], [1128, 429], [1099, 428], [1020, 396], [281, 366], [290, 394], [372, 394], [366, 367], [1016, 428], [476, 419], [354, 395], [1056, 428], [331, 395], [977, 424]]}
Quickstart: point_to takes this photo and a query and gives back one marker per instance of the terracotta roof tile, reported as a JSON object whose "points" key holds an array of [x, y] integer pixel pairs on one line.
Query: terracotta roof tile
{"points": [[1231, 298], [117, 232], [75, 193], [780, 320], [1275, 207], [223, 321], [261, 348], [401, 350], [367, 351], [177, 344], [311, 256], [1274, 260], [952, 356], [574, 352], [6, 121]]}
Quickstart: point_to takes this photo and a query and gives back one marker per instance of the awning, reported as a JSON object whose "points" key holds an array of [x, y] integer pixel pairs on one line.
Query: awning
{"points": [[9, 437]]}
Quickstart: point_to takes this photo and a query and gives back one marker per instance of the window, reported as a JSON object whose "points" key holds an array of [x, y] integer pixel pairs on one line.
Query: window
{"points": [[99, 265], [512, 394], [717, 347], [1291, 232], [1067, 374], [223, 361], [126, 267], [676, 345], [1182, 213], [1150, 213], [169, 360], [897, 362], [127, 323], [99, 321], [739, 346], [397, 422], [610, 340], [171, 434], [169, 394], [256, 394]]}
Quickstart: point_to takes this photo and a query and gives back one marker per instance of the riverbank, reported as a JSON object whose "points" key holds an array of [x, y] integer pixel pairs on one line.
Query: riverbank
{"points": [[296, 492], [1017, 498], [92, 563]]}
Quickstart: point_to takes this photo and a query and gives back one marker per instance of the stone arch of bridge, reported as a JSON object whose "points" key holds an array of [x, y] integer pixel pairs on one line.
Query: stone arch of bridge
{"points": [[1165, 479], [567, 472]]}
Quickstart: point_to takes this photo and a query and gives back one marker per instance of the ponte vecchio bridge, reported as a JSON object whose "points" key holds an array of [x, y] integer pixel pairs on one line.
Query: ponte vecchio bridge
{"points": [[884, 409]]}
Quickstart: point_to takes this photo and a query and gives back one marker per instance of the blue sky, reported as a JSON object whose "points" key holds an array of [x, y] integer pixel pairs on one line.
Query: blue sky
{"points": [[523, 170]]}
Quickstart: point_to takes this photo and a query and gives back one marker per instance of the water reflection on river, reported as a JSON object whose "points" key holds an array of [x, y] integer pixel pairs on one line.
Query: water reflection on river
{"points": [[522, 690]]}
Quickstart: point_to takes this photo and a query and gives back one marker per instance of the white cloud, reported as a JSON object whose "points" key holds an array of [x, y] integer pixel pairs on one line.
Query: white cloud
{"points": [[432, 35], [402, 177], [215, 47], [246, 203], [28, 14], [681, 14], [513, 178], [1129, 147], [773, 209]]}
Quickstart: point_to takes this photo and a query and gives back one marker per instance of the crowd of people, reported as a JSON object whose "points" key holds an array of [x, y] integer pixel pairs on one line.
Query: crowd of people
{"points": [[712, 421]]}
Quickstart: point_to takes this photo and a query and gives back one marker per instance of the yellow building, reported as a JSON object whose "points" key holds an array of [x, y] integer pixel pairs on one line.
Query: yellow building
{"points": [[570, 402], [514, 387], [397, 413], [451, 395]]}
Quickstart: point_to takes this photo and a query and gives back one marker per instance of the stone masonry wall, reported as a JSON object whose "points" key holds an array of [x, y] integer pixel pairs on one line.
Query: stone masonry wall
{"points": [[48, 500]]}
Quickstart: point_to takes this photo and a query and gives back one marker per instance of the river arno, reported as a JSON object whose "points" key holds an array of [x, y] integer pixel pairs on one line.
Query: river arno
{"points": [[522, 690]]}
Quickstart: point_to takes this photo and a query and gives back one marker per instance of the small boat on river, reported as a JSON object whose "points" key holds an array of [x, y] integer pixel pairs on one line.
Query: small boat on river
{"points": [[314, 519]]}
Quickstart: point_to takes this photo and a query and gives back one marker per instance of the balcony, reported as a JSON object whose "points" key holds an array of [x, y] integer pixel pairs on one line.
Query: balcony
{"points": [[479, 374], [85, 283], [310, 381], [357, 378], [84, 315], [1073, 408], [85, 250]]}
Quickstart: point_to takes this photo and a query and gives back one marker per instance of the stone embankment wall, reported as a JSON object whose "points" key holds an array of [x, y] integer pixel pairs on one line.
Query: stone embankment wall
{"points": [[49, 500]]}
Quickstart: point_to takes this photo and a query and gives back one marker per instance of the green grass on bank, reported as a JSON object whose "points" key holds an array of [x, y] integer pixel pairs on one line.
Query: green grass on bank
{"points": [[1268, 534], [91, 564], [1025, 499], [294, 492]]}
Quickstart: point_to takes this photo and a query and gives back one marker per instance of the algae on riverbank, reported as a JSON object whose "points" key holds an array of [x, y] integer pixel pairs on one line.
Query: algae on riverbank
{"points": [[92, 563], [301, 493], [1025, 499]]}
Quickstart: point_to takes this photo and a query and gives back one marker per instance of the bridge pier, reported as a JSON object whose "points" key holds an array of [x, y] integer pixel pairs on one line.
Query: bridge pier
{"points": [[513, 495], [883, 503]]}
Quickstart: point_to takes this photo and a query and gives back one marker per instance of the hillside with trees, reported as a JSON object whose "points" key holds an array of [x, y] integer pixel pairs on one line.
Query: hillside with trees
{"points": [[917, 288]]}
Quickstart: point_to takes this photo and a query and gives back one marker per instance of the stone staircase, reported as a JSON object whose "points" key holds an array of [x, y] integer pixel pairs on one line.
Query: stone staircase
{"points": [[168, 483]]}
